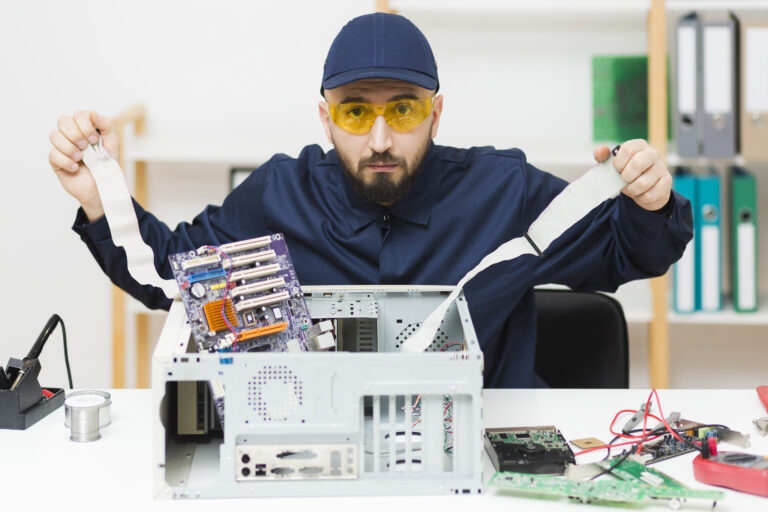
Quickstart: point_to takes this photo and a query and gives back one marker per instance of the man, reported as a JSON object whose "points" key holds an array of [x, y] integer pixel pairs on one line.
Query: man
{"points": [[389, 206]]}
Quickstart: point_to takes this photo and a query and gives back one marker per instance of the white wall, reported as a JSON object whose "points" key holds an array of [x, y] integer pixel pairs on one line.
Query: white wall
{"points": [[202, 68]]}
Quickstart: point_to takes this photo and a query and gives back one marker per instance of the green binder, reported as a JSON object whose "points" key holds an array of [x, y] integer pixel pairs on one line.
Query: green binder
{"points": [[743, 240]]}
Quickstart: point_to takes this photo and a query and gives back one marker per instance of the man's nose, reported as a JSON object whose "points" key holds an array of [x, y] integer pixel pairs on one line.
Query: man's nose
{"points": [[380, 136]]}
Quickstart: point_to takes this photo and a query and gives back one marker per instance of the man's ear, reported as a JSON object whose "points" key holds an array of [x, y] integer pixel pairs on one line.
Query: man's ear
{"points": [[322, 109], [437, 110]]}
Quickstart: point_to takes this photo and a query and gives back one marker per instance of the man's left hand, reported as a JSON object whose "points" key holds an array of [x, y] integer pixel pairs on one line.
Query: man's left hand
{"points": [[649, 180]]}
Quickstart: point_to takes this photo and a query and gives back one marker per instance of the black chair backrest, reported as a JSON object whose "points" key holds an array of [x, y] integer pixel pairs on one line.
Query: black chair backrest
{"points": [[582, 340]]}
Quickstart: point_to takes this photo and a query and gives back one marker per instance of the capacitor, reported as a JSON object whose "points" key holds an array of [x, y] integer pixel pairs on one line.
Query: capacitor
{"points": [[197, 290]]}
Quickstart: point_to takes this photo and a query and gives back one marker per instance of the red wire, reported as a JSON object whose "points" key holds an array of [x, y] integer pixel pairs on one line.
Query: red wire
{"points": [[671, 431], [630, 436], [643, 437]]}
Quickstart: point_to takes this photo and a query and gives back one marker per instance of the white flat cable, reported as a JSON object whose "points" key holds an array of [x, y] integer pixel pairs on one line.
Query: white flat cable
{"points": [[121, 217], [598, 184]]}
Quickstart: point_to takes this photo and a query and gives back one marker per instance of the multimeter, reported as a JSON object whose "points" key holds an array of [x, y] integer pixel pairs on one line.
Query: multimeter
{"points": [[739, 471]]}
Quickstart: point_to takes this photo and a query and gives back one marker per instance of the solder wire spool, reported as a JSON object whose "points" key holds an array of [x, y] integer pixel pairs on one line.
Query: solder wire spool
{"points": [[85, 412]]}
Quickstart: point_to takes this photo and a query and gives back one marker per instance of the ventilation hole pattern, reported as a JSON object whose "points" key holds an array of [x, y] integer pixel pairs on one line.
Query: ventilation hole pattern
{"points": [[437, 343], [258, 402]]}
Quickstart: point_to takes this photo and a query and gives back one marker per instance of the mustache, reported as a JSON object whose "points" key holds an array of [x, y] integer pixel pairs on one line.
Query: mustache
{"points": [[385, 158]]}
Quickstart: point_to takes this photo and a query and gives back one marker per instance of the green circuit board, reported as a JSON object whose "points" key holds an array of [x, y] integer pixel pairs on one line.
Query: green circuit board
{"points": [[584, 491], [632, 483], [659, 485]]}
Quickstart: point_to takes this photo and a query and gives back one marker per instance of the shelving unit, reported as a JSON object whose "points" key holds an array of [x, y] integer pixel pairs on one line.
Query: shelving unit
{"points": [[565, 147]]}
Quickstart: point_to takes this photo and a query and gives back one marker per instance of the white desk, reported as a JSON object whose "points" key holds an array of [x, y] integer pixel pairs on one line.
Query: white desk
{"points": [[43, 470]]}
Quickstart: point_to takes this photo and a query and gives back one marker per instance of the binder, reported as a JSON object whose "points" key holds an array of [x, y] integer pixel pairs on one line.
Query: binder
{"points": [[743, 239], [709, 233], [688, 107], [754, 90], [718, 74], [619, 98], [684, 271]]}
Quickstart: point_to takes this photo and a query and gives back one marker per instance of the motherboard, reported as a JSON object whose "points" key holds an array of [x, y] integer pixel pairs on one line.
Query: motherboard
{"points": [[245, 297]]}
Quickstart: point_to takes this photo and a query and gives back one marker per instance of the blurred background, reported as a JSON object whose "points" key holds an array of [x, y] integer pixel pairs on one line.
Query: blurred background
{"points": [[228, 84]]}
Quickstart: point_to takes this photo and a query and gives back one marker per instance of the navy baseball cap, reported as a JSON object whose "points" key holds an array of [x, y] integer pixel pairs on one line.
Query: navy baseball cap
{"points": [[380, 45]]}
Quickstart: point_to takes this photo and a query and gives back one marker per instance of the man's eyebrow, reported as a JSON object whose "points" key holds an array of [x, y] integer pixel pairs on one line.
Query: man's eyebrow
{"points": [[360, 99], [405, 96]]}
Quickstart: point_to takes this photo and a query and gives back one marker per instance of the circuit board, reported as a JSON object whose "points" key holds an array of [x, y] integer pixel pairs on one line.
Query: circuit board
{"points": [[539, 450], [659, 485], [586, 491], [243, 297], [666, 447]]}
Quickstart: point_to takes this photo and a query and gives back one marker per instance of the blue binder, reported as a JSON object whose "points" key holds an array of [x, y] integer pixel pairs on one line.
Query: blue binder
{"points": [[684, 271], [708, 231]]}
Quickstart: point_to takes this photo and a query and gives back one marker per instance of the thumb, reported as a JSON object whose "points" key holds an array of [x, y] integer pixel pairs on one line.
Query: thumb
{"points": [[109, 137], [601, 153]]}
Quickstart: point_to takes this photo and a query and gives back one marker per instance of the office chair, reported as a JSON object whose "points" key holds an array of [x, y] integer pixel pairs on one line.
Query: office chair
{"points": [[582, 340]]}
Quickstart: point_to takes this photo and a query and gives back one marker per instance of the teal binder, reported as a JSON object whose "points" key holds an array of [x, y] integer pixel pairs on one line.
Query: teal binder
{"points": [[684, 271], [709, 234], [743, 239]]}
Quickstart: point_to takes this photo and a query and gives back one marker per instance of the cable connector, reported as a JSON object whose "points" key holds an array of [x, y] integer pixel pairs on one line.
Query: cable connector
{"points": [[634, 420]]}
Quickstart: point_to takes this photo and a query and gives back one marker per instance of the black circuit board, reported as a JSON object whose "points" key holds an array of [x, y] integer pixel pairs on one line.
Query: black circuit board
{"points": [[667, 447], [537, 450], [264, 309]]}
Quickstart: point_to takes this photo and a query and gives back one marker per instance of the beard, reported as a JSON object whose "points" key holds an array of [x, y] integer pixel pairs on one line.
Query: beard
{"points": [[383, 189]]}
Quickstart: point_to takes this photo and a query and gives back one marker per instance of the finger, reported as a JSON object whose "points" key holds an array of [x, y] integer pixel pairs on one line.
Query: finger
{"points": [[627, 151], [59, 161], [641, 185], [657, 196], [601, 153], [108, 132], [66, 147], [83, 120], [68, 127], [639, 164]]}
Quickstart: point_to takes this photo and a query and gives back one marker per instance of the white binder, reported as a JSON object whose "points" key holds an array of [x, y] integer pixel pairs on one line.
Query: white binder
{"points": [[719, 88]]}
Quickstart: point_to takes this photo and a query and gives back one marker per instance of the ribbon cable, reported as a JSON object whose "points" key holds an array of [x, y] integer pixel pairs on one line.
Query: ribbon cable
{"points": [[121, 217], [598, 184]]}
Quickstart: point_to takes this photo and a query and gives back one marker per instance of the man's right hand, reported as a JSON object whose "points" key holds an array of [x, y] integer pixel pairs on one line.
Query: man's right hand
{"points": [[72, 135]]}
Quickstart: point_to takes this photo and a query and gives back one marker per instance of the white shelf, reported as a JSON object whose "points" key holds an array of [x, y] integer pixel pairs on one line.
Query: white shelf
{"points": [[727, 316], [225, 150], [525, 6], [725, 5], [673, 159]]}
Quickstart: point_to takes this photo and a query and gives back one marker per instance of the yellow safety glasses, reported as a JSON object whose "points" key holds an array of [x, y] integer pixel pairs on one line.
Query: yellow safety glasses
{"points": [[402, 115]]}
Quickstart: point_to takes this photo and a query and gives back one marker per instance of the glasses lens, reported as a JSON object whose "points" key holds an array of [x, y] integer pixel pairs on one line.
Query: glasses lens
{"points": [[402, 115], [356, 118]]}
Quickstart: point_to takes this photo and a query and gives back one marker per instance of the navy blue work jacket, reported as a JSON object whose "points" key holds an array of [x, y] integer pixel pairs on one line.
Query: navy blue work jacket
{"points": [[463, 205]]}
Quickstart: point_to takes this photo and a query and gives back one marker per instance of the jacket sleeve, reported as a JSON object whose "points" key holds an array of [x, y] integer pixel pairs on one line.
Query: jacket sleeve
{"points": [[238, 218], [616, 242]]}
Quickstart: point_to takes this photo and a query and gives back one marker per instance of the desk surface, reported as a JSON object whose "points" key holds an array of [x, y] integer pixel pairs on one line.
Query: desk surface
{"points": [[41, 467]]}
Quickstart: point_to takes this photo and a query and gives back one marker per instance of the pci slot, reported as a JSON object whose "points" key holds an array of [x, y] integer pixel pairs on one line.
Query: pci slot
{"points": [[203, 260], [261, 286], [253, 273], [205, 276], [239, 261], [266, 300], [262, 331], [244, 245]]}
